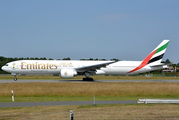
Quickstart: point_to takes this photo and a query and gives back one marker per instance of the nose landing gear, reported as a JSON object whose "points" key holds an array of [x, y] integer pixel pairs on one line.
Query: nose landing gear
{"points": [[15, 79]]}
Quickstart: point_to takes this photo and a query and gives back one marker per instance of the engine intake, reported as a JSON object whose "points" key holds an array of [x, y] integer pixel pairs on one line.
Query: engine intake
{"points": [[68, 73]]}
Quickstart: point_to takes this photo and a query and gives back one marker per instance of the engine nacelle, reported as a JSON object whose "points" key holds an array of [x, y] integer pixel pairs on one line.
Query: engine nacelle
{"points": [[68, 73]]}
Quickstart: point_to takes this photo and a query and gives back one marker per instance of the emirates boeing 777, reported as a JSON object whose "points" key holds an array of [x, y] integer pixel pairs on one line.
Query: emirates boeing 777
{"points": [[71, 68]]}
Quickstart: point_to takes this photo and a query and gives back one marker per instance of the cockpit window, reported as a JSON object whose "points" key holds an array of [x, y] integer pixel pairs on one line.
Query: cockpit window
{"points": [[6, 65]]}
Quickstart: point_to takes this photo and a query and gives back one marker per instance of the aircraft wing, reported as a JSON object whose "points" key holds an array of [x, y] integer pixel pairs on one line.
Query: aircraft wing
{"points": [[93, 67]]}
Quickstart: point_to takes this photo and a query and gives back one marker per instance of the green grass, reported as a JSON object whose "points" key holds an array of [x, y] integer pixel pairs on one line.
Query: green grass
{"points": [[41, 92], [113, 111], [85, 98], [28, 92]]}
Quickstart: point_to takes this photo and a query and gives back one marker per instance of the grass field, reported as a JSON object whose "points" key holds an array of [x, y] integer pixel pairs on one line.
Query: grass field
{"points": [[84, 91], [28, 92], [136, 111]]}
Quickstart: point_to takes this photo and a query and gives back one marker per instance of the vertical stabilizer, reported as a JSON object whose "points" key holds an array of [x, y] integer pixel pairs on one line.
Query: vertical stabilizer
{"points": [[158, 53], [155, 57]]}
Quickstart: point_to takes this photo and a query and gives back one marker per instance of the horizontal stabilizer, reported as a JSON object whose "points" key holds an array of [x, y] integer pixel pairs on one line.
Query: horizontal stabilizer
{"points": [[161, 64]]}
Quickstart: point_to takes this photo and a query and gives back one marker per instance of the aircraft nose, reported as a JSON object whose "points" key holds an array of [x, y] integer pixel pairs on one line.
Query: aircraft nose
{"points": [[2, 67]]}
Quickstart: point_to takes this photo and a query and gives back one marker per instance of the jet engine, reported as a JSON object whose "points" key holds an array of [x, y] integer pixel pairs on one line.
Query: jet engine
{"points": [[68, 73]]}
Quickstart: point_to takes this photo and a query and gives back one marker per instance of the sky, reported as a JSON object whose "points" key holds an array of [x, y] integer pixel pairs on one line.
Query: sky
{"points": [[83, 29]]}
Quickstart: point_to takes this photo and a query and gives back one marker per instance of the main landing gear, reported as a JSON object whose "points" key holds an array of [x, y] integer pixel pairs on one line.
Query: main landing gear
{"points": [[87, 77]]}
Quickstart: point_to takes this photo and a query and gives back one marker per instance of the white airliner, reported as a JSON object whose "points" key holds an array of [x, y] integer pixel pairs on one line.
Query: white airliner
{"points": [[71, 68]]}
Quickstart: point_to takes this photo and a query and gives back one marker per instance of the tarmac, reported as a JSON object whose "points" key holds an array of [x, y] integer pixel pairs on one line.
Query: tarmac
{"points": [[81, 81], [33, 104]]}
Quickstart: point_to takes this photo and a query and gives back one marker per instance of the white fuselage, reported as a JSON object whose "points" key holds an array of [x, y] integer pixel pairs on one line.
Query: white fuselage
{"points": [[71, 68], [55, 66]]}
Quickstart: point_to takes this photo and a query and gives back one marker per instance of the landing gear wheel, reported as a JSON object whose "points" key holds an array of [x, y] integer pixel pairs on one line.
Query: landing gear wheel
{"points": [[87, 79], [15, 79]]}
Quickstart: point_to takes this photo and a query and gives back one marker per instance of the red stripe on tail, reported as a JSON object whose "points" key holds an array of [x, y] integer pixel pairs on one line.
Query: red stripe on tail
{"points": [[144, 62]]}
